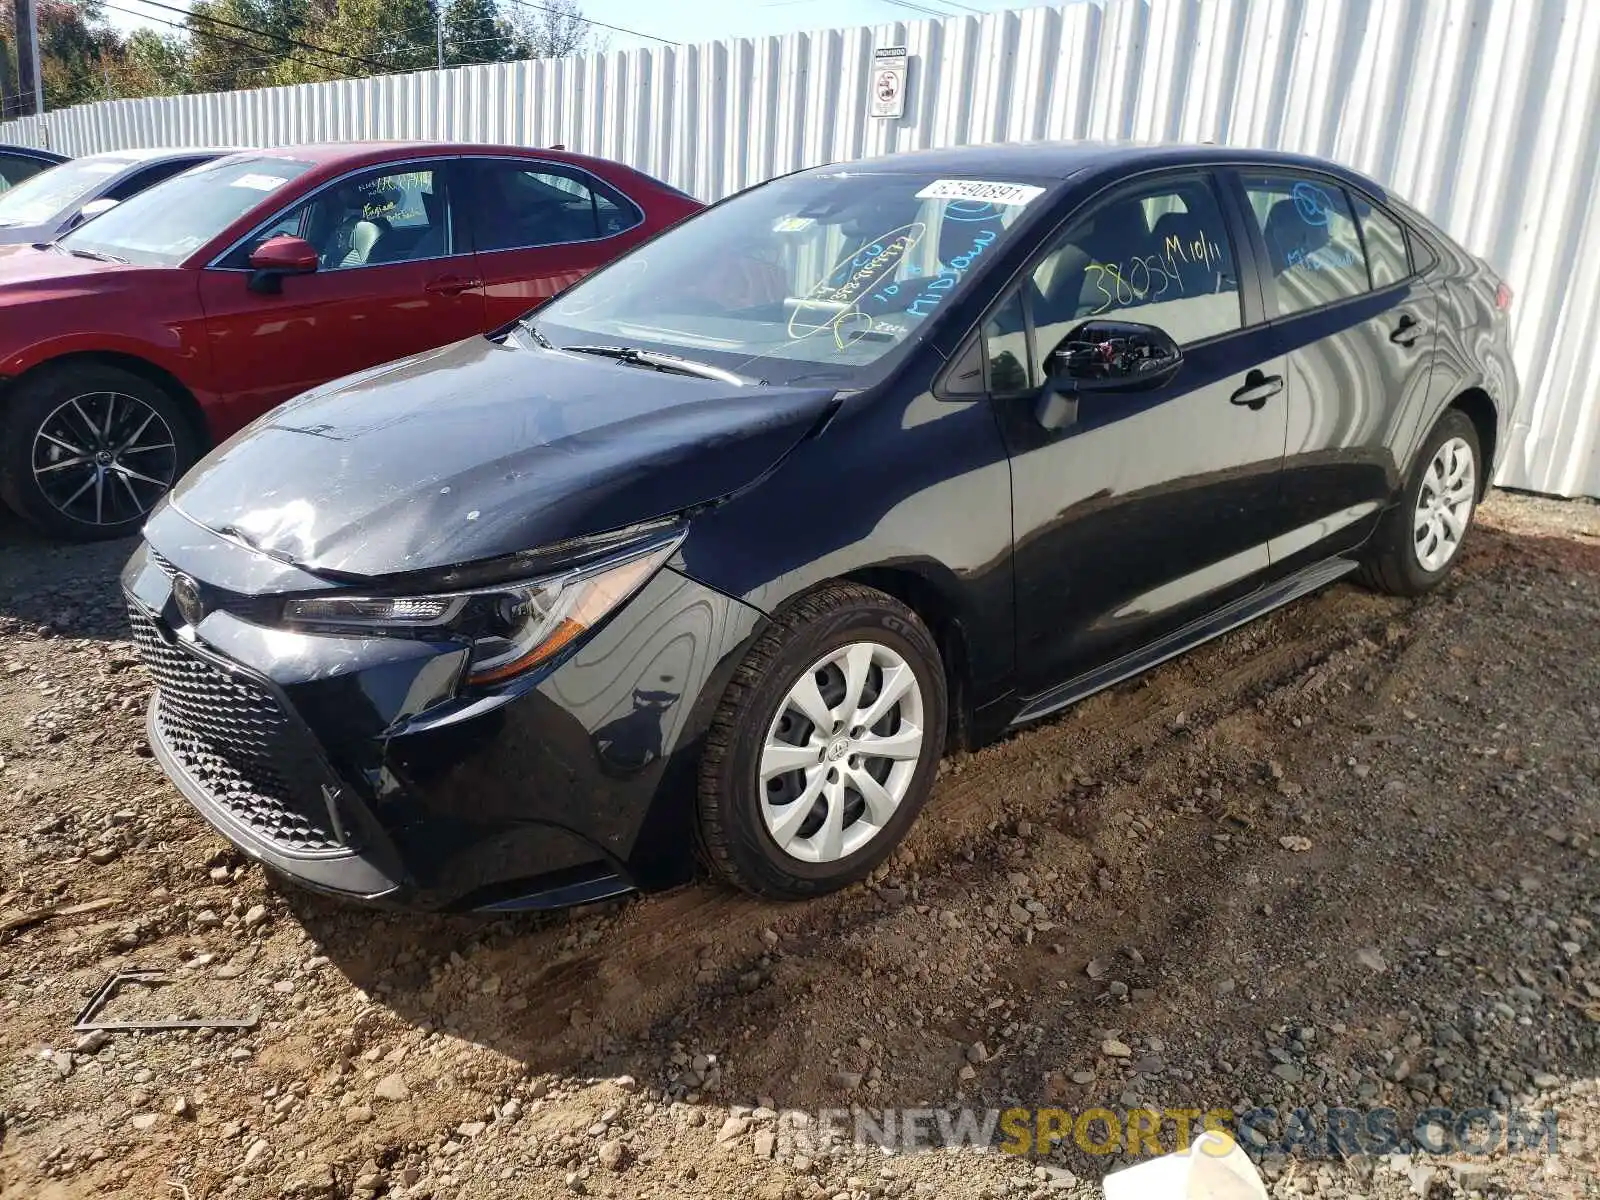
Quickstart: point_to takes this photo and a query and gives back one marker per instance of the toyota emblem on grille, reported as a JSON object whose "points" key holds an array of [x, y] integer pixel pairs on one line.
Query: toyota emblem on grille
{"points": [[186, 594]]}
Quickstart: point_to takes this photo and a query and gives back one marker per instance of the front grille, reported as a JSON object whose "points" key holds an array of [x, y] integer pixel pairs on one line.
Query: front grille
{"points": [[235, 740], [164, 563]]}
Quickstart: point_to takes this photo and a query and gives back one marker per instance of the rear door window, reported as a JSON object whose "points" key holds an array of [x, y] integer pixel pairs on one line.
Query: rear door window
{"points": [[1314, 251], [519, 205]]}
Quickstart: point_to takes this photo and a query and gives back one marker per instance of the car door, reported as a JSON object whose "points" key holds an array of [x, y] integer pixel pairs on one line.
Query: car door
{"points": [[1358, 332], [539, 227], [391, 281], [1146, 509]]}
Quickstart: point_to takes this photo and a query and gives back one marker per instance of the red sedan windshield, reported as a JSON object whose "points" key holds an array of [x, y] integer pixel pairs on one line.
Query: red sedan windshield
{"points": [[166, 224]]}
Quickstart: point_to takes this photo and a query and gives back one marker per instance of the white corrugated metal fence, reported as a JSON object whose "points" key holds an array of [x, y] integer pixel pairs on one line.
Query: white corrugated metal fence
{"points": [[1484, 113]]}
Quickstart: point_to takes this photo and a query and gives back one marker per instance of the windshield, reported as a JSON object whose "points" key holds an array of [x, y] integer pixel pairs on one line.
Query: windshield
{"points": [[164, 225], [815, 277], [48, 195]]}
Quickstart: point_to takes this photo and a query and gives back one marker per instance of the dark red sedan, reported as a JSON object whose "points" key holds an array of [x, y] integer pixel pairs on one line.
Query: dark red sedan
{"points": [[139, 339]]}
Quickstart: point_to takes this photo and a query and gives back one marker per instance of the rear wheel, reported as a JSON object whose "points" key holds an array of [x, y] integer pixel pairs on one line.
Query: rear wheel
{"points": [[825, 747], [1420, 538], [87, 451]]}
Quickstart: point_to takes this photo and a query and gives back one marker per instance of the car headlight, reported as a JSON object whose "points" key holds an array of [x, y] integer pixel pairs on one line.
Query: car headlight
{"points": [[513, 627]]}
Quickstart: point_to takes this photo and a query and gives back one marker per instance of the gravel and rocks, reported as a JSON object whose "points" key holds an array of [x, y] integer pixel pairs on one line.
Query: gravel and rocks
{"points": [[1346, 856]]}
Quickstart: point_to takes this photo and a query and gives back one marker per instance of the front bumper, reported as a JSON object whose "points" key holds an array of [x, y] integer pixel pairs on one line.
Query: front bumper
{"points": [[353, 765]]}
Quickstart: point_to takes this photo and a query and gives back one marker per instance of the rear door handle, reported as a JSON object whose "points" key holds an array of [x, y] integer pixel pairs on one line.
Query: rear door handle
{"points": [[1257, 390], [451, 285], [1407, 331]]}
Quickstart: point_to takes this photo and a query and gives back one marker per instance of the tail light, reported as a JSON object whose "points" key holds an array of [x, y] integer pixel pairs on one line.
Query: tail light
{"points": [[1502, 297]]}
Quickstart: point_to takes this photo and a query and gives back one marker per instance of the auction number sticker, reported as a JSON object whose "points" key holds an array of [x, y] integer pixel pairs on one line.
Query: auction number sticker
{"points": [[259, 183], [978, 189]]}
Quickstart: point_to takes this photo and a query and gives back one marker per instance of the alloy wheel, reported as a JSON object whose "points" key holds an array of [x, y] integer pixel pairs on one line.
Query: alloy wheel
{"points": [[104, 458], [840, 754], [1444, 504]]}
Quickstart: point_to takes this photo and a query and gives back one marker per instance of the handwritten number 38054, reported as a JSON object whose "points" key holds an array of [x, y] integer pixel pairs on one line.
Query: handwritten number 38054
{"points": [[1151, 276], [1146, 279]]}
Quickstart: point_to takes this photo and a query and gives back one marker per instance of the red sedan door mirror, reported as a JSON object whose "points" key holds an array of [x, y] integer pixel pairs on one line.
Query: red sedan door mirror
{"points": [[280, 256]]}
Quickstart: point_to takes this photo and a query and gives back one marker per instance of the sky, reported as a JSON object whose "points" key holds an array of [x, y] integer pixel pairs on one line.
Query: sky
{"points": [[700, 20]]}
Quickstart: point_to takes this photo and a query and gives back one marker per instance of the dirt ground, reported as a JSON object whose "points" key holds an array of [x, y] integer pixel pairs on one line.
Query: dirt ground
{"points": [[1346, 856]]}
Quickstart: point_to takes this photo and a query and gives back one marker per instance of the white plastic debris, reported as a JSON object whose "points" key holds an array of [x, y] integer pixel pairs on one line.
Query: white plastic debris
{"points": [[1213, 1168]]}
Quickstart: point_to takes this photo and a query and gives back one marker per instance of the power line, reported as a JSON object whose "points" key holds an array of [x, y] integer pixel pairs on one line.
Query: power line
{"points": [[265, 62], [236, 42], [918, 8], [267, 57], [590, 21], [124, 70], [277, 37]]}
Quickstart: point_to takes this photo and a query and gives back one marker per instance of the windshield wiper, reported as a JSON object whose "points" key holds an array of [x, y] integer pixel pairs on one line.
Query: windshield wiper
{"points": [[96, 255], [670, 363], [527, 326]]}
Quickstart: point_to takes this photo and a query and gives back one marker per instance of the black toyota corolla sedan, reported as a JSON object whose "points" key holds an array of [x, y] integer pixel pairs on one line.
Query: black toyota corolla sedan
{"points": [[717, 553]]}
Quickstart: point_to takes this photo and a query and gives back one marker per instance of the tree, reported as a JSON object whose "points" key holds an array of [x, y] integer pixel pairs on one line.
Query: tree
{"points": [[391, 35], [227, 45], [155, 64], [225, 52], [476, 32], [77, 50], [556, 29]]}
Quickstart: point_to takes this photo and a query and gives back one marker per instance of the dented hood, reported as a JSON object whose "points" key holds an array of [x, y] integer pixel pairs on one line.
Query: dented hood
{"points": [[481, 449]]}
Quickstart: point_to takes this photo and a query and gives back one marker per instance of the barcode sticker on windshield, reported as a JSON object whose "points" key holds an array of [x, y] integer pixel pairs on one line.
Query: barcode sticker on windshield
{"points": [[978, 189], [259, 183]]}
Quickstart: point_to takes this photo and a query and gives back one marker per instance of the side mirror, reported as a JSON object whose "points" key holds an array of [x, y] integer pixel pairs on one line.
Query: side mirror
{"points": [[278, 257], [92, 210], [1104, 356], [1113, 356]]}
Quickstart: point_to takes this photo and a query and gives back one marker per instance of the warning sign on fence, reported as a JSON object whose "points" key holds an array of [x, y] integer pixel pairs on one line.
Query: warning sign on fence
{"points": [[888, 95]]}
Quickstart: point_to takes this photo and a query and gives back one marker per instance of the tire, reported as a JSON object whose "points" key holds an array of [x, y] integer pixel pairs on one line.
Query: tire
{"points": [[741, 816], [138, 435], [1402, 558]]}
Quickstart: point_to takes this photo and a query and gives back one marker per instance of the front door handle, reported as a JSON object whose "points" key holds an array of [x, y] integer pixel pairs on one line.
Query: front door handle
{"points": [[1407, 331], [450, 285], [1257, 390]]}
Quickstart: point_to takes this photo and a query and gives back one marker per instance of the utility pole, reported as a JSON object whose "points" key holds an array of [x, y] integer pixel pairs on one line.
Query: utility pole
{"points": [[29, 83], [438, 8]]}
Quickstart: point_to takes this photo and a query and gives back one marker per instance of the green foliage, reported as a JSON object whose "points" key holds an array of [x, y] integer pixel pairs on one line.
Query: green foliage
{"points": [[475, 32], [226, 45]]}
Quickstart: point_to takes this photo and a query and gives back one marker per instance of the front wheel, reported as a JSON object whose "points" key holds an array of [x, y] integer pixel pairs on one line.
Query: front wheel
{"points": [[87, 451], [1420, 537], [825, 746]]}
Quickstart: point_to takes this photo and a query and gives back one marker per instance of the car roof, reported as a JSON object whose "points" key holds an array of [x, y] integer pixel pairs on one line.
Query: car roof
{"points": [[328, 157], [152, 154], [33, 152], [1056, 161]]}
